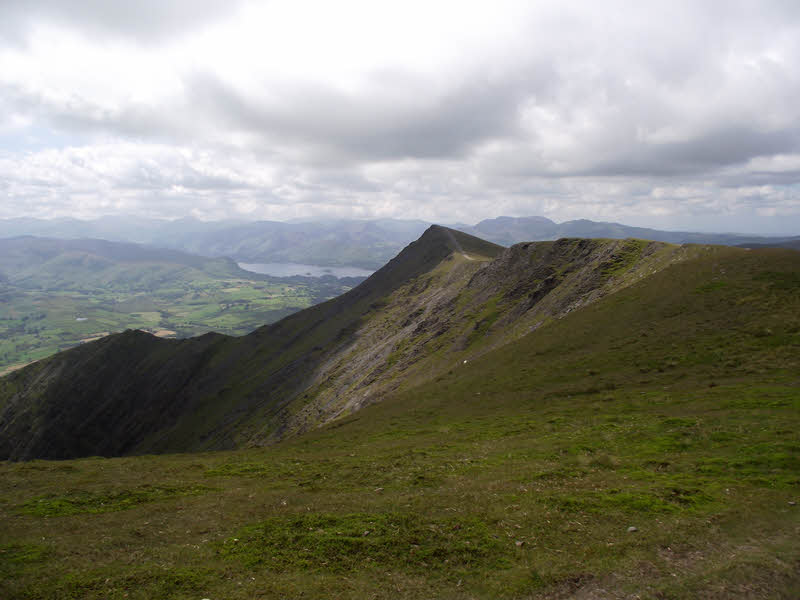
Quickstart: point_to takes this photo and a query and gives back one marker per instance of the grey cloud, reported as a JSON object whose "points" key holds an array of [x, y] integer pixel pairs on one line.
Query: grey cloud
{"points": [[720, 78], [366, 127], [732, 145], [156, 177], [79, 114], [143, 20]]}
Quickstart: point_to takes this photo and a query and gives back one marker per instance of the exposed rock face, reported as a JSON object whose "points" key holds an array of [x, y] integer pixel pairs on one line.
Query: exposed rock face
{"points": [[446, 298], [464, 308]]}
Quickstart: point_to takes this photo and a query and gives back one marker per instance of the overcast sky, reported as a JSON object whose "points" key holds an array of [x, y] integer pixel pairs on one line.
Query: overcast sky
{"points": [[676, 115]]}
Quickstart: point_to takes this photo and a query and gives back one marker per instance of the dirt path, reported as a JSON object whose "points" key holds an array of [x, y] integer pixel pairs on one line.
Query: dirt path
{"points": [[10, 368]]}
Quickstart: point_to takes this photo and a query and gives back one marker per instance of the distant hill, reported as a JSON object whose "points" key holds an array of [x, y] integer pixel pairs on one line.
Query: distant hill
{"points": [[33, 262], [364, 243], [511, 230], [794, 244]]}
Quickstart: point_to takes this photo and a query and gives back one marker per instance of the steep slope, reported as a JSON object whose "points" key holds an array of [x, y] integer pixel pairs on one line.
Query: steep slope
{"points": [[463, 308], [208, 392], [441, 302], [644, 445]]}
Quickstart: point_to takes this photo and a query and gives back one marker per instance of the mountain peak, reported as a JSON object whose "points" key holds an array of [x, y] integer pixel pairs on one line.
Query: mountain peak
{"points": [[454, 240]]}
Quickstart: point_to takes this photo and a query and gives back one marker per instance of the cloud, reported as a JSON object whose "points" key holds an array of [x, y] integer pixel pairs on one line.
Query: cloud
{"points": [[144, 21], [447, 111]]}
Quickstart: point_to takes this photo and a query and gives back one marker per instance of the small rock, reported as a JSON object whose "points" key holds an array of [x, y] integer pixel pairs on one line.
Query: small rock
{"points": [[631, 529], [366, 533], [378, 489], [792, 503], [519, 543]]}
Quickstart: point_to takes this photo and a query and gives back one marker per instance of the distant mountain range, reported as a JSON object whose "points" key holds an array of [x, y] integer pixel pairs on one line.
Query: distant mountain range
{"points": [[364, 243]]}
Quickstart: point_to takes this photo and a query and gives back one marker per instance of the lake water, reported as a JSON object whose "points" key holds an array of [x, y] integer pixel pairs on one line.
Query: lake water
{"points": [[292, 269]]}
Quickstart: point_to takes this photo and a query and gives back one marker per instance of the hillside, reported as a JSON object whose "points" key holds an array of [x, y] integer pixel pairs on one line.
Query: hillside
{"points": [[447, 298], [642, 445], [216, 392]]}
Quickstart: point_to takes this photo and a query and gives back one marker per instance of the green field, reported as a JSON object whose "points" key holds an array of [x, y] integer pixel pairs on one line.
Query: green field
{"points": [[35, 323]]}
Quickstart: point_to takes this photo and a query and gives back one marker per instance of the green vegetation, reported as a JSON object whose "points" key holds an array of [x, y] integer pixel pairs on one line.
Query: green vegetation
{"points": [[627, 256], [520, 475], [353, 542], [57, 294], [52, 505], [35, 324]]}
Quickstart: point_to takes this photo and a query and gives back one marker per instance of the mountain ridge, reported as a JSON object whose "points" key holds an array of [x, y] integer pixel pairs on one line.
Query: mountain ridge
{"points": [[641, 444], [194, 376], [446, 299]]}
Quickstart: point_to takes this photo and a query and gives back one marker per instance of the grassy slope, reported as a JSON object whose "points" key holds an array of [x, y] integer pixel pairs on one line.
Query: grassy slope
{"points": [[464, 307], [671, 406]]}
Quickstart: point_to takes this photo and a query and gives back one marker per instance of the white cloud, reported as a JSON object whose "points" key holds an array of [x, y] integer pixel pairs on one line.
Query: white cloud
{"points": [[658, 113]]}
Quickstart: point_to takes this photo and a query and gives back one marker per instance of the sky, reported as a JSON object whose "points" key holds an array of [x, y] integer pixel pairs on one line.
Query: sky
{"points": [[674, 115]]}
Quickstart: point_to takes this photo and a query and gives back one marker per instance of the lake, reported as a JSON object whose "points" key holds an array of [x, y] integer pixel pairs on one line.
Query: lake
{"points": [[293, 269]]}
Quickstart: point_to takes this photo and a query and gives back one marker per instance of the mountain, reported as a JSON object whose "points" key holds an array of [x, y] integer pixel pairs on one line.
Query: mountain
{"points": [[447, 298], [793, 243], [363, 243], [635, 437], [511, 230], [133, 393]]}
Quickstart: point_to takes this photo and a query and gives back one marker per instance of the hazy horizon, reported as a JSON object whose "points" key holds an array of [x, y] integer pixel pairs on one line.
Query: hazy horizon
{"points": [[244, 220]]}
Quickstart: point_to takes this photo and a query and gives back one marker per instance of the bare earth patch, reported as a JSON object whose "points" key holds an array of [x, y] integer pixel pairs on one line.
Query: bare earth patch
{"points": [[164, 333], [10, 368]]}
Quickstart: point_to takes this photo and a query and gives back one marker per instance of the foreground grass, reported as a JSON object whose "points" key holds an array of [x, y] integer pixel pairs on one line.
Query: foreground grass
{"points": [[671, 408], [487, 505]]}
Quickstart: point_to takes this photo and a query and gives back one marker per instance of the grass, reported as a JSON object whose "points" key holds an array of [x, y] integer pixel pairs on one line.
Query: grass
{"points": [[52, 505], [35, 323], [348, 543], [659, 408]]}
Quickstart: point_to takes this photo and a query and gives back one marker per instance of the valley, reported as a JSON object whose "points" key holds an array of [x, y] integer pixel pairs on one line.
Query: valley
{"points": [[57, 294]]}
